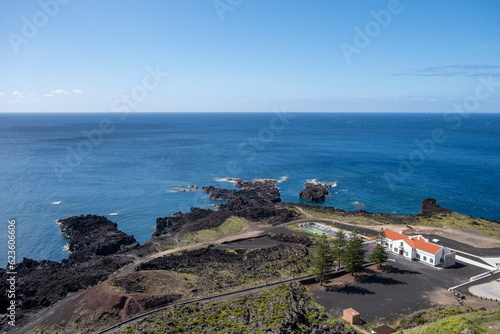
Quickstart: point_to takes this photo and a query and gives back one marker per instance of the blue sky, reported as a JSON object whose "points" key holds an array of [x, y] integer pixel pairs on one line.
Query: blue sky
{"points": [[247, 55]]}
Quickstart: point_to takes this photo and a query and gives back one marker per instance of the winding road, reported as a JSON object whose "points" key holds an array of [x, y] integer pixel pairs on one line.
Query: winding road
{"points": [[249, 231]]}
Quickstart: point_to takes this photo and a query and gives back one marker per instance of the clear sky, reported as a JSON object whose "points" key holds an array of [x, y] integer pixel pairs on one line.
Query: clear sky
{"points": [[248, 55]]}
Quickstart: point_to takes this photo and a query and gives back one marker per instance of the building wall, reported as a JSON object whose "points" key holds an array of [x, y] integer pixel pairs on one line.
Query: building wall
{"points": [[427, 257], [413, 254], [397, 246]]}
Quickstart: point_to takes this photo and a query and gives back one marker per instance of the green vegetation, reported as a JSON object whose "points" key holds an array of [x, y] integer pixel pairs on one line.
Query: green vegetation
{"points": [[282, 309], [231, 270], [354, 255], [295, 227], [461, 221], [338, 245], [379, 256], [346, 217], [322, 260], [449, 319], [231, 225], [487, 321]]}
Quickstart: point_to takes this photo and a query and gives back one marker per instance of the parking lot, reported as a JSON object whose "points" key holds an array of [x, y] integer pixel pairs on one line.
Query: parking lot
{"points": [[406, 287]]}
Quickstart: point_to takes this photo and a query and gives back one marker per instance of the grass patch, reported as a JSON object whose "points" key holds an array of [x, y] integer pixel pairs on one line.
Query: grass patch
{"points": [[462, 221], [231, 225], [347, 218], [449, 319], [476, 322], [452, 325]]}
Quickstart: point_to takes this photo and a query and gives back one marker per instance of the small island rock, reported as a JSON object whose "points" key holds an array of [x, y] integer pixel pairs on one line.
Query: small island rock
{"points": [[314, 192]]}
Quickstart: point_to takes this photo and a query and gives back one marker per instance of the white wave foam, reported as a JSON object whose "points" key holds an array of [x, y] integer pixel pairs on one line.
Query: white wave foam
{"points": [[332, 184], [359, 205], [66, 248], [264, 180], [283, 179], [56, 203], [113, 214], [226, 179]]}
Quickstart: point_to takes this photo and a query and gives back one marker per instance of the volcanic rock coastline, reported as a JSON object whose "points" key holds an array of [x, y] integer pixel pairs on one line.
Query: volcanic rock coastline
{"points": [[256, 201], [93, 235]]}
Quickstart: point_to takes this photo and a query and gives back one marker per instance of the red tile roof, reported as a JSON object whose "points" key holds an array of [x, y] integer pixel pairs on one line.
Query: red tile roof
{"points": [[394, 235], [384, 329], [414, 241]]}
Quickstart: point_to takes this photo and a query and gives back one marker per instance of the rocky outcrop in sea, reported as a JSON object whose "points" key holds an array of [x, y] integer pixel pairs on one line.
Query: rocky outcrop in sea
{"points": [[314, 192]]}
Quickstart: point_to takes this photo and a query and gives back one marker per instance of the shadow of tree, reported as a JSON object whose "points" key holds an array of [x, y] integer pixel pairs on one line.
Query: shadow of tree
{"points": [[351, 290], [376, 279], [395, 270]]}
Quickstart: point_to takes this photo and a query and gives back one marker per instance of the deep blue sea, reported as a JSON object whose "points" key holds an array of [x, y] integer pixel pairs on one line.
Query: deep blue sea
{"points": [[131, 167]]}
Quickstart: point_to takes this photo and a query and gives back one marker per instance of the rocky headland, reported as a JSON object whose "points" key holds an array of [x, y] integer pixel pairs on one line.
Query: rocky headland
{"points": [[93, 235], [256, 201], [314, 192], [429, 207], [96, 247]]}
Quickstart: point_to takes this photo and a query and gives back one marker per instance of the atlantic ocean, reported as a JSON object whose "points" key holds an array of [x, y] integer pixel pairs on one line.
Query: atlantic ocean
{"points": [[134, 168]]}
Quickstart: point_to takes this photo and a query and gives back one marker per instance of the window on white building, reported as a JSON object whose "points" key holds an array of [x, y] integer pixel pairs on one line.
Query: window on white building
{"points": [[425, 258], [431, 260], [395, 249], [418, 256], [406, 253]]}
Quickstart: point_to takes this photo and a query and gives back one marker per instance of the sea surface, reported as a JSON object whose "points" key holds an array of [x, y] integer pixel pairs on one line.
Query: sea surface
{"points": [[133, 168]]}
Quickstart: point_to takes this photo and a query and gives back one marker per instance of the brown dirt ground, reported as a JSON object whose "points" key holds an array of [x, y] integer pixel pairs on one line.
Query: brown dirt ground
{"points": [[101, 306]]}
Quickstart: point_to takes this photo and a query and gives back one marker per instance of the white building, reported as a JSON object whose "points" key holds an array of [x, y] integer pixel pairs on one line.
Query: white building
{"points": [[414, 248]]}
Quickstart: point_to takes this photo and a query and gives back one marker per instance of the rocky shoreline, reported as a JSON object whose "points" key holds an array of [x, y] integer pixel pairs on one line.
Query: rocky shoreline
{"points": [[93, 235], [255, 201], [98, 249]]}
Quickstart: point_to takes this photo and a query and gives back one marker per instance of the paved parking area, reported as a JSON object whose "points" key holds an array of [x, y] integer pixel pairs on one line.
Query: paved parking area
{"points": [[409, 286]]}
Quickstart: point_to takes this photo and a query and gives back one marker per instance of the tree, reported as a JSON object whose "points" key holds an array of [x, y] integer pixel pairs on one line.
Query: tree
{"points": [[322, 260], [338, 245], [379, 256], [354, 255]]}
